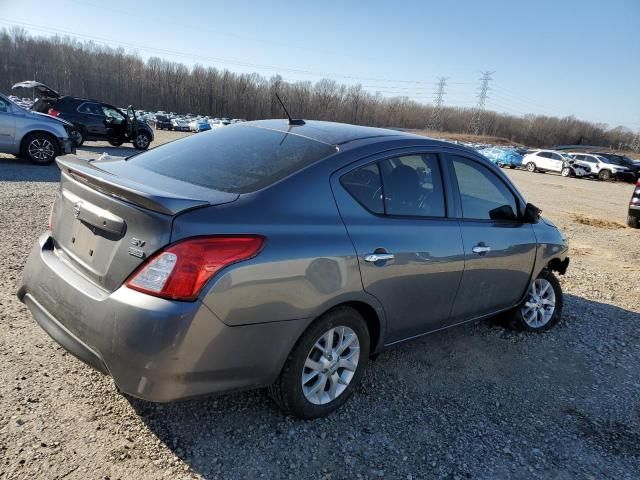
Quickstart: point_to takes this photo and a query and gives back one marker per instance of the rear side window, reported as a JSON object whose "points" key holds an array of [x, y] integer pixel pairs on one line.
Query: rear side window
{"points": [[484, 196], [365, 186], [413, 186], [235, 159]]}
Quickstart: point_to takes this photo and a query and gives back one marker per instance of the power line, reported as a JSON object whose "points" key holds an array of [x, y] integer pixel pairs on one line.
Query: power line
{"points": [[476, 118], [435, 123]]}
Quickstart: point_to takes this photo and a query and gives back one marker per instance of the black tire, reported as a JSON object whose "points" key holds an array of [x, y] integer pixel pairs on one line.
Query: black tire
{"points": [[517, 318], [604, 175], [77, 137], [512, 167], [287, 390], [141, 144], [531, 167], [567, 172], [40, 148], [633, 221], [116, 143]]}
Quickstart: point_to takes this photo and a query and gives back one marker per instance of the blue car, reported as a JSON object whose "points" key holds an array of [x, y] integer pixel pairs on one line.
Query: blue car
{"points": [[503, 157], [202, 126]]}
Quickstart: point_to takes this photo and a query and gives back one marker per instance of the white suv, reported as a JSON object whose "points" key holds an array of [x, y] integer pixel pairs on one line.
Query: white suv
{"points": [[602, 167], [552, 161]]}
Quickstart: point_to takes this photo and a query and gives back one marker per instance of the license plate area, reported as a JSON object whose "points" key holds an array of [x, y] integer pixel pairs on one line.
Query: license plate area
{"points": [[84, 241]]}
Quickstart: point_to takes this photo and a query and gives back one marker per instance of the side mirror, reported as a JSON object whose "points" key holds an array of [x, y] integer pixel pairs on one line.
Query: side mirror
{"points": [[531, 213]]}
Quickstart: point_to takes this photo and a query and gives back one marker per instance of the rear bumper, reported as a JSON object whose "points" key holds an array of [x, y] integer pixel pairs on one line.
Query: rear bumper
{"points": [[155, 349]]}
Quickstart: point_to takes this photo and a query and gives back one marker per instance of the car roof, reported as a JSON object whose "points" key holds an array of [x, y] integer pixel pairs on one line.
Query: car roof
{"points": [[330, 133]]}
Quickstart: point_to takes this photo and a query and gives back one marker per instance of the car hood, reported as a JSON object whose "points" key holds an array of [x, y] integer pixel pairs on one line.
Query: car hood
{"points": [[41, 116]]}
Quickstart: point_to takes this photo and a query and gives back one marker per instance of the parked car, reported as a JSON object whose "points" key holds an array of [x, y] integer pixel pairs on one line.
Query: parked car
{"points": [[283, 255], [92, 119], [553, 161], [604, 168], [623, 160], [163, 123], [201, 126], [633, 217], [503, 157], [34, 136], [180, 124]]}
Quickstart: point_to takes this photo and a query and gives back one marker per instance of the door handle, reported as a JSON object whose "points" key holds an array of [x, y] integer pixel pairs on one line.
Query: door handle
{"points": [[481, 249], [378, 257]]}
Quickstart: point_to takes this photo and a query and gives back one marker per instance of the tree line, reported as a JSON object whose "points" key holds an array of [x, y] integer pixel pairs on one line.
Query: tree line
{"points": [[87, 69]]}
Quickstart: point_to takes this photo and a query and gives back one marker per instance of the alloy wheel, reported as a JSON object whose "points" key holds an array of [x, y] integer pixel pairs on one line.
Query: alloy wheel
{"points": [[41, 150], [142, 141], [540, 305], [330, 365]]}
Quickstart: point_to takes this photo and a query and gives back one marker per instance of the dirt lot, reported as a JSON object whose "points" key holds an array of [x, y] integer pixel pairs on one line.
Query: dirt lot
{"points": [[473, 402]]}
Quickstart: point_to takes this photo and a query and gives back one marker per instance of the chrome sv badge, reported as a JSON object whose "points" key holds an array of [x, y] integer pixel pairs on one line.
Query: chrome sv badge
{"points": [[136, 248]]}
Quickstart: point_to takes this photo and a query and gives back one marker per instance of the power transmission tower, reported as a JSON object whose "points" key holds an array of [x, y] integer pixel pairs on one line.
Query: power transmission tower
{"points": [[476, 117], [435, 123]]}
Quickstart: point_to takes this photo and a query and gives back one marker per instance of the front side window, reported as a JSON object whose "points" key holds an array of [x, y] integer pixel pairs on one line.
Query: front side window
{"points": [[111, 112], [413, 186], [484, 196]]}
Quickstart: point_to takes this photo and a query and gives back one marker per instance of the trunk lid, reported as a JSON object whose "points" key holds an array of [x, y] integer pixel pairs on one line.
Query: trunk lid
{"points": [[40, 89], [107, 218]]}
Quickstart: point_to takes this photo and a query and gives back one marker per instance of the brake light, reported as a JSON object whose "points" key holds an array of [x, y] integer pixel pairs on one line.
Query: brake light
{"points": [[181, 270], [53, 112]]}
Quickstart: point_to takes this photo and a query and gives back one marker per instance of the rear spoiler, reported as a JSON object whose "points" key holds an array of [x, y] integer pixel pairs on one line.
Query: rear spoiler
{"points": [[125, 189]]}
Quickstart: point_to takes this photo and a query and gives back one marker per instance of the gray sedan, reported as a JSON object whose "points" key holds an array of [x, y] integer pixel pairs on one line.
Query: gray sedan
{"points": [[283, 255]]}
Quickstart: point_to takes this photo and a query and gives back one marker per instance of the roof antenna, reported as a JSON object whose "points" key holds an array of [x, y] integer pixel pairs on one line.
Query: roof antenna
{"points": [[292, 121]]}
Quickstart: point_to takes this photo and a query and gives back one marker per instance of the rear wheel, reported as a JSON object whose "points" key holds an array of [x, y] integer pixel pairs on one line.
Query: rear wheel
{"points": [[77, 138], [531, 167], [325, 366], [542, 308], [633, 221], [142, 141], [40, 148]]}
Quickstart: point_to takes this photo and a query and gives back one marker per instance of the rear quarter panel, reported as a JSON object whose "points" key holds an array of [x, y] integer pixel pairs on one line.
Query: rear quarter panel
{"points": [[308, 263]]}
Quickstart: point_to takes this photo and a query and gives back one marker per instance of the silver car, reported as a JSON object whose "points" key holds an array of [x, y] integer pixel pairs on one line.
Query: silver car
{"points": [[34, 136], [282, 255]]}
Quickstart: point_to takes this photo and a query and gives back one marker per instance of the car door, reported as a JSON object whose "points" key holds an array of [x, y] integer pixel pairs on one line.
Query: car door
{"points": [[93, 119], [543, 160], [7, 127], [499, 248], [557, 162], [409, 246]]}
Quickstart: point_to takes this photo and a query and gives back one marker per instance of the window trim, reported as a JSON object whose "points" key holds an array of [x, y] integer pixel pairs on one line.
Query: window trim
{"points": [[456, 188], [449, 206]]}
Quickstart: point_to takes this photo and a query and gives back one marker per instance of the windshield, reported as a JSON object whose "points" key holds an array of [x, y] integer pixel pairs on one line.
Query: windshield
{"points": [[235, 159]]}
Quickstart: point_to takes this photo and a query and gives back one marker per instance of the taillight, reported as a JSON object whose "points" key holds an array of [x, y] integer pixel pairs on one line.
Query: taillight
{"points": [[181, 270], [53, 112]]}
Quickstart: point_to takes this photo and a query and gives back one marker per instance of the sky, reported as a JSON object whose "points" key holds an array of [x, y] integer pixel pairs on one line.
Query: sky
{"points": [[561, 57]]}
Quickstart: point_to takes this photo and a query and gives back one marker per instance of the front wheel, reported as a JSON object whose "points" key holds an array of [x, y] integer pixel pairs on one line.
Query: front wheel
{"points": [[116, 143], [542, 308], [40, 148], [604, 175], [566, 172], [142, 141], [325, 366], [531, 167]]}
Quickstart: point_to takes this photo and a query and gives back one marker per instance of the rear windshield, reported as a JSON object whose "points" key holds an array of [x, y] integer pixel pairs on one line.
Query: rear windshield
{"points": [[236, 159]]}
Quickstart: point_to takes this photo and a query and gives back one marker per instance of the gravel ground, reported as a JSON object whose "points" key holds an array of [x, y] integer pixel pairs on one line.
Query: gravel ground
{"points": [[476, 401]]}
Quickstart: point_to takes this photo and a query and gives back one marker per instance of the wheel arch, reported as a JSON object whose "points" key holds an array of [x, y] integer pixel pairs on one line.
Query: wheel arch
{"points": [[23, 141]]}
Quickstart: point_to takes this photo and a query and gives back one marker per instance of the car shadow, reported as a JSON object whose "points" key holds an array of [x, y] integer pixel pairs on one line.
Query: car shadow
{"points": [[21, 170], [420, 403]]}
